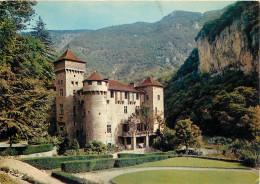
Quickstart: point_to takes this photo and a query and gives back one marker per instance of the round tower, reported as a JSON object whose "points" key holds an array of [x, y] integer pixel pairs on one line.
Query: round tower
{"points": [[95, 95]]}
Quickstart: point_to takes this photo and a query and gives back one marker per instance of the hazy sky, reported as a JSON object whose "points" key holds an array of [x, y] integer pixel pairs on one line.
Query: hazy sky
{"points": [[70, 15]]}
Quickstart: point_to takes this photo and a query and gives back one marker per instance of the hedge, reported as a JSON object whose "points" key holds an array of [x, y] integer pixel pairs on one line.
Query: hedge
{"points": [[125, 162], [213, 158], [130, 155], [26, 150], [55, 162], [85, 166], [68, 178]]}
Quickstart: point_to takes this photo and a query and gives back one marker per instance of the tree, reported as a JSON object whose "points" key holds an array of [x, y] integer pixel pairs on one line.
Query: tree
{"points": [[24, 103], [187, 133], [144, 115], [166, 141], [24, 74], [160, 120], [42, 34], [232, 110]]}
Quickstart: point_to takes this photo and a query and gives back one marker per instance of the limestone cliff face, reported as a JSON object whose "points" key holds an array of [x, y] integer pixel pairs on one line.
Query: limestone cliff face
{"points": [[235, 48]]}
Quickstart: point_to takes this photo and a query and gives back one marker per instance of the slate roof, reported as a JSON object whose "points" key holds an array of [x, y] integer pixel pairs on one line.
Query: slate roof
{"points": [[118, 86], [69, 55], [94, 77], [149, 82]]}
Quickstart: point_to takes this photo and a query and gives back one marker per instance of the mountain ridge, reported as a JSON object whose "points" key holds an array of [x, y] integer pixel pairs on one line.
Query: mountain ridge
{"points": [[130, 52]]}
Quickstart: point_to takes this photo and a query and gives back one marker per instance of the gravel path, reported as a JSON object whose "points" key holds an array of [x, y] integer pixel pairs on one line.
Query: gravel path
{"points": [[25, 168], [104, 177]]}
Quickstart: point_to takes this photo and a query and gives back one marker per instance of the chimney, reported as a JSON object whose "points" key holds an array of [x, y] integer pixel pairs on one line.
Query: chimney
{"points": [[132, 84]]}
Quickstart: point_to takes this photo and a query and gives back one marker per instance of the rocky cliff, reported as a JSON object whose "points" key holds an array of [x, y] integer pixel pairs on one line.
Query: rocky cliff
{"points": [[231, 41]]}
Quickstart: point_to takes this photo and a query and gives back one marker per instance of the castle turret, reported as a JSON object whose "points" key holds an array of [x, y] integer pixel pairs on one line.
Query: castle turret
{"points": [[95, 97], [69, 71], [153, 98]]}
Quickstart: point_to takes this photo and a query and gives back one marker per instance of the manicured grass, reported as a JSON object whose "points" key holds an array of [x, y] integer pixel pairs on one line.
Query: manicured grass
{"points": [[193, 162], [187, 177], [5, 179]]}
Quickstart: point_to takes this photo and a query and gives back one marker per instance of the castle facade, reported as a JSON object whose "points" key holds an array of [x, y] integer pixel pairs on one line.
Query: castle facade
{"points": [[102, 109]]}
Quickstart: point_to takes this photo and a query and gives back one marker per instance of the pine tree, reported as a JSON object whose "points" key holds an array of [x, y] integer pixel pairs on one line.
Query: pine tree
{"points": [[42, 34]]}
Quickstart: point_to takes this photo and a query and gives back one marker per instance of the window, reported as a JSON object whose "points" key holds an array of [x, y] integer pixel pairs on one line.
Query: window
{"points": [[147, 97], [74, 110], [58, 82], [112, 94], [61, 92], [158, 97], [61, 81], [137, 96], [139, 127], [89, 82], [125, 109], [84, 112], [72, 82], [155, 110], [99, 83], [126, 94], [128, 140], [108, 128], [125, 128], [61, 109], [77, 83]]}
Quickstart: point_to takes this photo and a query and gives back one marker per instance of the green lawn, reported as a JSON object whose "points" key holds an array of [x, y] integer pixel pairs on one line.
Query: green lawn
{"points": [[193, 162], [187, 177]]}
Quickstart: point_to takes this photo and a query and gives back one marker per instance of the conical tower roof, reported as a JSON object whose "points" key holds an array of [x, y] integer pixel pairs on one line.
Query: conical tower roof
{"points": [[94, 77], [149, 82], [69, 55]]}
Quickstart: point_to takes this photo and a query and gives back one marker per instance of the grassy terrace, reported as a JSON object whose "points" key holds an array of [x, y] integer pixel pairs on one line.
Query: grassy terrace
{"points": [[193, 162], [187, 177]]}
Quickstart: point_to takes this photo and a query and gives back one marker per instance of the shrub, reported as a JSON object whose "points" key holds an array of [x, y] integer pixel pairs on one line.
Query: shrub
{"points": [[84, 166], [5, 169], [75, 144], [37, 149], [73, 152], [141, 160], [30, 179], [68, 178], [26, 150], [124, 162], [95, 147], [129, 155], [9, 151], [55, 162]]}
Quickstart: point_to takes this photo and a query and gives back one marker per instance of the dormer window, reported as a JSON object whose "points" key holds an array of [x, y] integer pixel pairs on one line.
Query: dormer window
{"points": [[89, 82], [99, 83]]}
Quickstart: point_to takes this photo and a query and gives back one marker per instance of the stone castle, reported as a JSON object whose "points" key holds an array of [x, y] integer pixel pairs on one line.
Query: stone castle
{"points": [[102, 109]]}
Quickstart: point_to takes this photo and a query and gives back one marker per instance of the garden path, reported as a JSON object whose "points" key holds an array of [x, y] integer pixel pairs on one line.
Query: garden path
{"points": [[105, 177], [25, 168]]}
